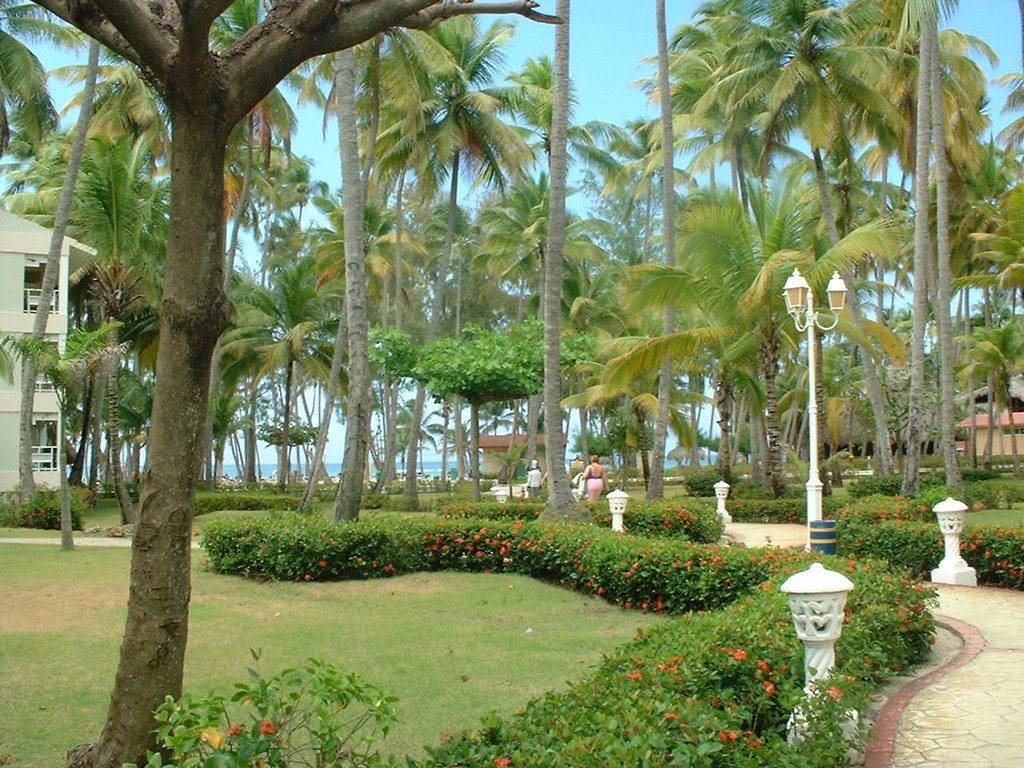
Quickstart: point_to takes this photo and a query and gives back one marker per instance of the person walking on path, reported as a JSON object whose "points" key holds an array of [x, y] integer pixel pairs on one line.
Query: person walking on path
{"points": [[534, 480], [594, 479]]}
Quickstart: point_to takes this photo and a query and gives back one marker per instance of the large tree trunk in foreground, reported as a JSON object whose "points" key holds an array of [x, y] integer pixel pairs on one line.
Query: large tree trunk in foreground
{"points": [[192, 315]]}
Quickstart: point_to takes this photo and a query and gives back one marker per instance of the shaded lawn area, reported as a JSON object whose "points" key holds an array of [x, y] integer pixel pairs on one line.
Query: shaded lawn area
{"points": [[450, 646]]}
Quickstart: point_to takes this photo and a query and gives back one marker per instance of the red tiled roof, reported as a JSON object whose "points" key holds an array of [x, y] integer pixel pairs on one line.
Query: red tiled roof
{"points": [[981, 420]]}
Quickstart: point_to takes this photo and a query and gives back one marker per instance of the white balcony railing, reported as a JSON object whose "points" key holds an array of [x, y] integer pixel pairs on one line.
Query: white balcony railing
{"points": [[44, 458], [43, 384], [32, 300]]}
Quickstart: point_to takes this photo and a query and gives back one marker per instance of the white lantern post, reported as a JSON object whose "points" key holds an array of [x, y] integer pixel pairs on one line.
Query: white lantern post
{"points": [[817, 599], [800, 306], [617, 506], [722, 493], [500, 493], [953, 569]]}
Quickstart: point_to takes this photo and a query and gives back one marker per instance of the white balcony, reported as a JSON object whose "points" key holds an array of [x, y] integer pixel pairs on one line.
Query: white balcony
{"points": [[32, 300], [44, 458]]}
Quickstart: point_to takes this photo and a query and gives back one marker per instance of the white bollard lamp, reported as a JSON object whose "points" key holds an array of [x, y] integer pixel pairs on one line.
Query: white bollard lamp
{"points": [[501, 493], [722, 493], [817, 598], [617, 500], [953, 569]]}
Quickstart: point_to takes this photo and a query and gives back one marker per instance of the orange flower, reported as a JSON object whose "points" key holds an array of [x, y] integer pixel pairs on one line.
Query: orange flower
{"points": [[323, 563], [502, 762], [268, 728], [769, 687], [763, 665], [739, 654], [235, 729]]}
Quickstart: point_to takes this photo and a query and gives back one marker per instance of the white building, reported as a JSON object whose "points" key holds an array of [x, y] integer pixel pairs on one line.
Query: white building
{"points": [[23, 249]]}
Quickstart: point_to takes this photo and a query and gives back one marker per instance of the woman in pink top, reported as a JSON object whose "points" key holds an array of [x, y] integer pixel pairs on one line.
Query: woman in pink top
{"points": [[594, 479]]}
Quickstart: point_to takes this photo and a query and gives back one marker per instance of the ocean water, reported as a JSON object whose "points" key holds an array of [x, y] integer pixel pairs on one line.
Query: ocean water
{"points": [[429, 467]]}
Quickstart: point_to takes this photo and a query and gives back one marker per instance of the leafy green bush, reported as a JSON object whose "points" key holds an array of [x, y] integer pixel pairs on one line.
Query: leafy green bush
{"points": [[215, 502], [688, 519], [513, 509], [904, 532], [702, 484], [316, 715], [884, 485], [43, 512], [978, 474]]}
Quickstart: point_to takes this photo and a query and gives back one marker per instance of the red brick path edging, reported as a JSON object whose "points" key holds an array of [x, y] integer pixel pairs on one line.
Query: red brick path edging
{"points": [[882, 739]]}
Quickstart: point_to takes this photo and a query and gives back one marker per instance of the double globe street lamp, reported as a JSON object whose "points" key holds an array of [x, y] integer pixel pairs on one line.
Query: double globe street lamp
{"points": [[800, 306]]}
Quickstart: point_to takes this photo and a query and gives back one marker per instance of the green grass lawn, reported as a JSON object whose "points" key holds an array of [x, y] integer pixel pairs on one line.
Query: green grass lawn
{"points": [[450, 646]]}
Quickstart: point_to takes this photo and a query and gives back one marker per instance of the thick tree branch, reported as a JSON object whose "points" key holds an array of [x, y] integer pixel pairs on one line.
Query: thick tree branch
{"points": [[438, 12], [294, 32], [92, 20]]}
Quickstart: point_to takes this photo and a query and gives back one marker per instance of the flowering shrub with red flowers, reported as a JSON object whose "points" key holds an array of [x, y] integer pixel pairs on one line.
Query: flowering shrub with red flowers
{"points": [[313, 716], [904, 532], [42, 512], [713, 688]]}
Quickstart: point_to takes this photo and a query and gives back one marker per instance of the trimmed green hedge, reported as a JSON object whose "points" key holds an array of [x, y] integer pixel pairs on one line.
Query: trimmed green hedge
{"points": [[216, 502], [904, 533], [688, 519]]}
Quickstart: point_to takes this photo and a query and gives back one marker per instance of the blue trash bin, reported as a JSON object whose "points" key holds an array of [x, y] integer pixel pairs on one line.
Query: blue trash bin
{"points": [[823, 536]]}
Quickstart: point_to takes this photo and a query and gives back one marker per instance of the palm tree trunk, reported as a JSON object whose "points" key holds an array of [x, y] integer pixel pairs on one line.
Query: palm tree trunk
{"points": [[51, 271], [723, 405], [560, 504], [656, 484], [284, 449], [947, 352], [922, 255], [357, 429], [433, 328], [474, 448]]}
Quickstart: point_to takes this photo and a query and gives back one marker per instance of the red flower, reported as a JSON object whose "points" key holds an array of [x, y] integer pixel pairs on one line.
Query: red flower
{"points": [[502, 762], [235, 729], [322, 563], [769, 687], [739, 654], [308, 577], [268, 728]]}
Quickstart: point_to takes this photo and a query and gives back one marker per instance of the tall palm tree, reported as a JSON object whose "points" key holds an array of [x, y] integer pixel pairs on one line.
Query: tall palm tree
{"points": [[50, 271], [26, 109], [468, 136], [121, 212], [996, 353], [655, 488], [561, 503], [286, 323]]}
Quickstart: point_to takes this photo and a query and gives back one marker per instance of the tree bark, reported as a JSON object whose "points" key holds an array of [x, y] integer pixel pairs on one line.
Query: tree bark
{"points": [[193, 314], [357, 429], [560, 504], [947, 351], [922, 255], [656, 482]]}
